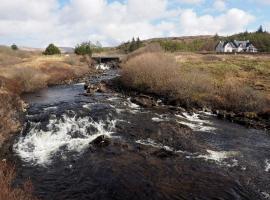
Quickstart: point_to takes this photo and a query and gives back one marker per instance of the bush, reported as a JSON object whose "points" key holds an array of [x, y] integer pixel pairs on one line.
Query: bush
{"points": [[154, 72], [160, 74], [84, 48], [14, 47], [52, 50]]}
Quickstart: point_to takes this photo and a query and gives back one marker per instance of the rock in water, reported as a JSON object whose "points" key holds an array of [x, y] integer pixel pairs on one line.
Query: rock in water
{"points": [[144, 101], [101, 141]]}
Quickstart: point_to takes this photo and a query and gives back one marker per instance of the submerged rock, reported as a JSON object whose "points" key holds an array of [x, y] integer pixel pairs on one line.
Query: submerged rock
{"points": [[163, 153]]}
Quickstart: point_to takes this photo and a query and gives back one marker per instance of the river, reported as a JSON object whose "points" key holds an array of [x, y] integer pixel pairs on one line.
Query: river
{"points": [[146, 153]]}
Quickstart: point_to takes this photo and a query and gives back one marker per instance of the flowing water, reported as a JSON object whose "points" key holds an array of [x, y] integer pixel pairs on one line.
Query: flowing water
{"points": [[157, 153]]}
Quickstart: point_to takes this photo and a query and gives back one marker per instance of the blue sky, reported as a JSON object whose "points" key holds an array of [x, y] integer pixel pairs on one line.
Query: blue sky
{"points": [[68, 22]]}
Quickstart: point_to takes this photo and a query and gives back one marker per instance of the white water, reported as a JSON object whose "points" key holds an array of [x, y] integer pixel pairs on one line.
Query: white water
{"points": [[267, 165], [195, 123], [150, 142], [156, 119], [220, 157], [102, 66], [39, 146]]}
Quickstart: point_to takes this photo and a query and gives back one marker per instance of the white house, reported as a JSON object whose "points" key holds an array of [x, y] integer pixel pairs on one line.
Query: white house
{"points": [[236, 46]]}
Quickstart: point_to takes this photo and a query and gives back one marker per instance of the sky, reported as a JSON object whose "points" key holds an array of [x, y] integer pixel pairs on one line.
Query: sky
{"points": [[36, 23]]}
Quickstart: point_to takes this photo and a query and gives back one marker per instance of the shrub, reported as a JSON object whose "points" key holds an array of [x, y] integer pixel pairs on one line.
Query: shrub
{"points": [[84, 48], [152, 71], [14, 47], [52, 50], [160, 74]]}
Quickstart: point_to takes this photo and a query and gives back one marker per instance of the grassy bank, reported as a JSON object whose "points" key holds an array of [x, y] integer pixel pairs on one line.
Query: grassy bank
{"points": [[7, 192], [235, 83]]}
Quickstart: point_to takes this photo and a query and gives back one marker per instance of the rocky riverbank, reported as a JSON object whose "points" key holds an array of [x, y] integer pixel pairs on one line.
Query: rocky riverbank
{"points": [[259, 120]]}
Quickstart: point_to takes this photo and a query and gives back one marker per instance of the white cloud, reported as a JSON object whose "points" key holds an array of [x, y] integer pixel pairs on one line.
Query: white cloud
{"points": [[220, 5], [37, 23], [190, 22], [191, 1]]}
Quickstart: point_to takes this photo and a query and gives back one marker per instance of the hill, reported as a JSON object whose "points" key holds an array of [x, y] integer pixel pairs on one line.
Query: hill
{"points": [[205, 43]]}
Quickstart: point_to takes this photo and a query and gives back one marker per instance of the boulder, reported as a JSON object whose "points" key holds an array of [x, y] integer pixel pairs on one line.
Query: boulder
{"points": [[144, 101], [101, 141], [163, 153], [93, 88]]}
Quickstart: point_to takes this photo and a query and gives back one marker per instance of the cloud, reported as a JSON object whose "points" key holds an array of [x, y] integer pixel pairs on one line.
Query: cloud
{"points": [[190, 22], [191, 1], [220, 5], [37, 23]]}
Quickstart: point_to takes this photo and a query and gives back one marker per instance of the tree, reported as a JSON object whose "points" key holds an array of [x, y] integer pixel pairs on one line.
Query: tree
{"points": [[138, 43], [14, 47], [260, 29], [84, 48], [216, 37], [132, 46], [52, 50]]}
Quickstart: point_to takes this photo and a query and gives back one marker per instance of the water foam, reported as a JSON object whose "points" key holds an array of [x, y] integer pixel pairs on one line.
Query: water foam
{"points": [[195, 123], [267, 165], [150, 142], [102, 66], [221, 157], [68, 133], [156, 119]]}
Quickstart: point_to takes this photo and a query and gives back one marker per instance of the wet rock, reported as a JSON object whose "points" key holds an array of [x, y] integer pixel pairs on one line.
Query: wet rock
{"points": [[265, 114], [163, 153], [144, 101], [102, 88], [101, 141], [93, 88], [113, 64]]}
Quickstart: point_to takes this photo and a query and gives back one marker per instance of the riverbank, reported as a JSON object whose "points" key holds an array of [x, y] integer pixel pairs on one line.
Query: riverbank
{"points": [[235, 87]]}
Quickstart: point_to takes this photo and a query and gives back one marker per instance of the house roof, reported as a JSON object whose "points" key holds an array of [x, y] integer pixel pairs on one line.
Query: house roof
{"points": [[237, 43]]}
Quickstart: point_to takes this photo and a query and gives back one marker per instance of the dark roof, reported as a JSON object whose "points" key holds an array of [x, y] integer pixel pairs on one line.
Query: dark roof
{"points": [[236, 43]]}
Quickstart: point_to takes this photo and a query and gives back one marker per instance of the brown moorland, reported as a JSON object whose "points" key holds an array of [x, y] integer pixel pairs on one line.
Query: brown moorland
{"points": [[237, 83]]}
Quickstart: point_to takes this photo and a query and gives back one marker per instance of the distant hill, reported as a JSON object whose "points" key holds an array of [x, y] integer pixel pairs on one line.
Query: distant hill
{"points": [[205, 43], [66, 49], [260, 40], [31, 49]]}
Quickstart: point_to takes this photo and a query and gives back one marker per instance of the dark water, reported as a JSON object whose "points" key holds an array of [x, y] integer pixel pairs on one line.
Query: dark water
{"points": [[154, 153]]}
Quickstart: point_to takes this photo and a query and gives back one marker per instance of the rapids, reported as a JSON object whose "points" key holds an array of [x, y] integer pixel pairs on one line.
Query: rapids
{"points": [[153, 153]]}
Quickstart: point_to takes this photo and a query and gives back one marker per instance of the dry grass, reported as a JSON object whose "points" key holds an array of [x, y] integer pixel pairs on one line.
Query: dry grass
{"points": [[149, 48], [198, 80], [38, 71], [7, 191]]}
